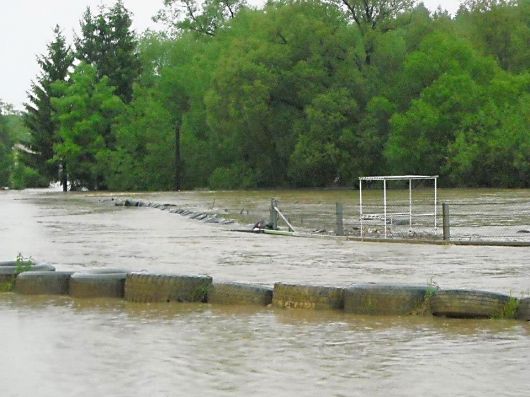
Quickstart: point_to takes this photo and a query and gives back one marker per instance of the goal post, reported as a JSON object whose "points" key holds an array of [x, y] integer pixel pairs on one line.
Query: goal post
{"points": [[404, 210]]}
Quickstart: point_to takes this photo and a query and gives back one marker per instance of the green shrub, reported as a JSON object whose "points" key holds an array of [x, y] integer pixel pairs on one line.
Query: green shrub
{"points": [[22, 265], [233, 177], [23, 177]]}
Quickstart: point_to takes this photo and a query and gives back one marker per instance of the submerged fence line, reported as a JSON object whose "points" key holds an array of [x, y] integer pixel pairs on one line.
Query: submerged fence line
{"points": [[452, 226], [365, 299]]}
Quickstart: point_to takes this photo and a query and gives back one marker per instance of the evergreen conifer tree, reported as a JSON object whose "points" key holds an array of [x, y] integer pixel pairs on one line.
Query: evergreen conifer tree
{"points": [[39, 111]]}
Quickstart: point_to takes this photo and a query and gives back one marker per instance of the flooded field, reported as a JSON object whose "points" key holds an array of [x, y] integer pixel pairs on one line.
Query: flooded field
{"points": [[474, 214], [66, 347]]}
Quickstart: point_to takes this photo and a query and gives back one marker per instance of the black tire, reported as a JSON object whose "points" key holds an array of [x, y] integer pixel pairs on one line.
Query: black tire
{"points": [[9, 270], [43, 283], [140, 287], [523, 311], [376, 299], [239, 294], [97, 285], [8, 266], [307, 297], [469, 304], [103, 270]]}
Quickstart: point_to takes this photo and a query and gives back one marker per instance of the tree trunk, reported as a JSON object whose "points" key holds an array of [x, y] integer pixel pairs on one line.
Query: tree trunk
{"points": [[64, 177], [177, 157]]}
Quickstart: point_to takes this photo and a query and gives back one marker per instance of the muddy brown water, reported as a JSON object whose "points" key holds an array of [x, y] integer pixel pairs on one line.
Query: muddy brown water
{"points": [[57, 346]]}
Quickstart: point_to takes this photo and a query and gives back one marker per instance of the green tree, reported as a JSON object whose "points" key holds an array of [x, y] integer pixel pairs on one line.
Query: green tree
{"points": [[13, 134], [108, 43], [86, 111], [305, 93], [39, 111], [6, 143], [371, 14], [143, 158], [455, 125], [372, 17], [168, 108], [204, 18], [275, 84], [492, 148], [373, 132], [325, 153], [499, 28]]}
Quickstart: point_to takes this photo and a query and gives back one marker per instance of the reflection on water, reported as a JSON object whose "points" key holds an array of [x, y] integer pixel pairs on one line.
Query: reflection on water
{"points": [[57, 346], [64, 347]]}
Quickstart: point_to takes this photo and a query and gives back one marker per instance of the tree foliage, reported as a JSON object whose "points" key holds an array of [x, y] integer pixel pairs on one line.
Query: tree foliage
{"points": [[86, 111], [305, 93], [371, 14], [54, 67], [499, 28], [109, 45], [203, 18], [6, 142]]}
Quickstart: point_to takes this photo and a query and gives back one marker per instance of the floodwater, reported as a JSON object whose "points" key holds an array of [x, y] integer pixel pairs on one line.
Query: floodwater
{"points": [[57, 346]]}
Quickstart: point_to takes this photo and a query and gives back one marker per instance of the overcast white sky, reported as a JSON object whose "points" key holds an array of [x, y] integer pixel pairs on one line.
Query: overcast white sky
{"points": [[26, 28]]}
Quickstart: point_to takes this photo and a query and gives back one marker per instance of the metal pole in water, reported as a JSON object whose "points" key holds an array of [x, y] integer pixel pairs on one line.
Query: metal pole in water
{"points": [[275, 204], [273, 221], [446, 227], [435, 203], [361, 205], [340, 215], [410, 205], [384, 202]]}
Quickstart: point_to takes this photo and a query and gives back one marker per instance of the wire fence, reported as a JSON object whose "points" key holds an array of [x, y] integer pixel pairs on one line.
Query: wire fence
{"points": [[495, 221], [473, 214], [492, 221]]}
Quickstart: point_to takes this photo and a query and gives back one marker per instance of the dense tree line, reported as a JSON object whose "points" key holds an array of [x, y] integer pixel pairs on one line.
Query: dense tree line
{"points": [[6, 142], [299, 93], [13, 136]]}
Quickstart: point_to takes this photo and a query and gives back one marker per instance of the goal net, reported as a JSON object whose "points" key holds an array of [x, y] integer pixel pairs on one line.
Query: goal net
{"points": [[398, 206]]}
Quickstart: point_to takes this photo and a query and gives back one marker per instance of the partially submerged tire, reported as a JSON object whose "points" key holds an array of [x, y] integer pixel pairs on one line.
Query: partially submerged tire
{"points": [[6, 267], [239, 294], [141, 287], [7, 274], [469, 304], [43, 283], [307, 297], [376, 299], [103, 270], [8, 263], [9, 270], [523, 312], [94, 284]]}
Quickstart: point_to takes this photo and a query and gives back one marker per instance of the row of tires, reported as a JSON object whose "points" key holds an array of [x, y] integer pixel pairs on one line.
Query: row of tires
{"points": [[366, 299], [377, 299], [206, 217]]}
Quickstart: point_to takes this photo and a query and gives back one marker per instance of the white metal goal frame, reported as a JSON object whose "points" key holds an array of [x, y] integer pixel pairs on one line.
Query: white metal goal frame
{"points": [[384, 215]]}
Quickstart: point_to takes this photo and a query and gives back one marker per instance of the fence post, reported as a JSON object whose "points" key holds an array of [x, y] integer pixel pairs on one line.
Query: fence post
{"points": [[340, 216], [446, 227], [273, 221]]}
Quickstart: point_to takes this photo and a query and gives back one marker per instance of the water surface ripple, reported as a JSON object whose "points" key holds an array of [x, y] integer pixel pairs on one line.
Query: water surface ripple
{"points": [[57, 346], [62, 347]]}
